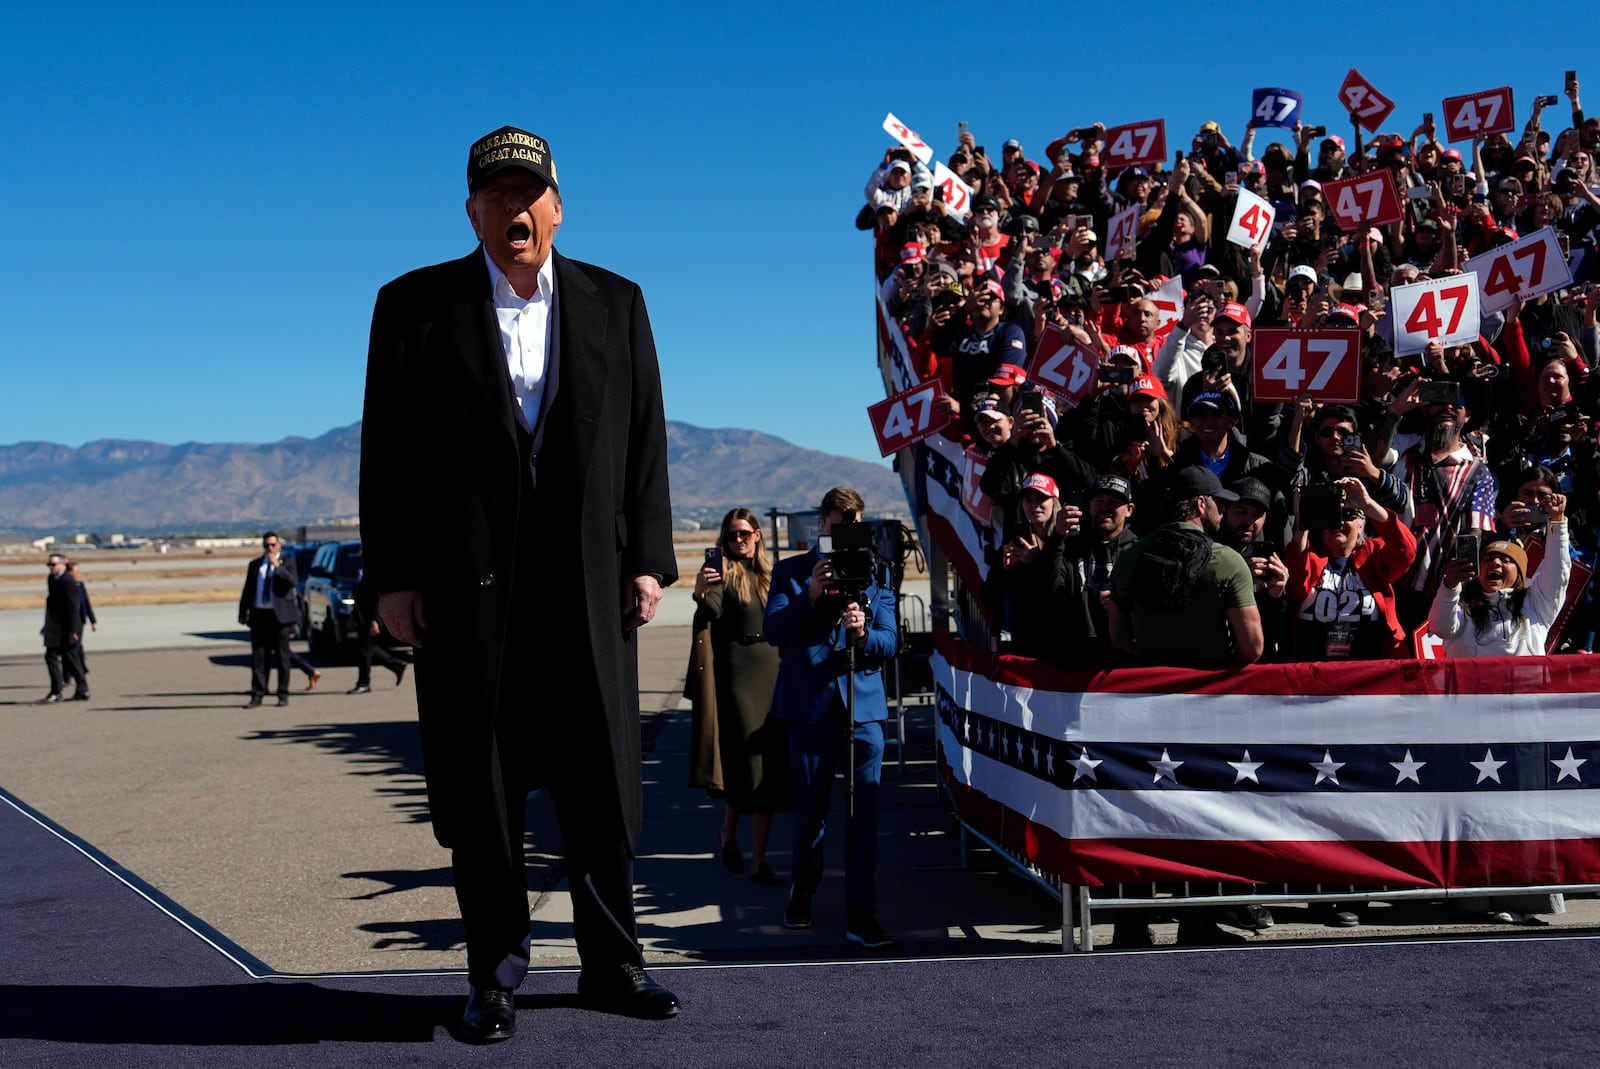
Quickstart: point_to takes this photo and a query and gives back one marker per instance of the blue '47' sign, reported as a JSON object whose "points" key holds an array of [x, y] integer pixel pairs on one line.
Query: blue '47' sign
{"points": [[1275, 107]]}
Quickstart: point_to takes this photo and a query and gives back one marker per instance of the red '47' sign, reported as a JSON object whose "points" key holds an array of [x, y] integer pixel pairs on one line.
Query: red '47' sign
{"points": [[1525, 268], [1444, 310], [1478, 114], [1365, 200], [1135, 143], [908, 417], [1324, 363], [1062, 365], [1360, 98]]}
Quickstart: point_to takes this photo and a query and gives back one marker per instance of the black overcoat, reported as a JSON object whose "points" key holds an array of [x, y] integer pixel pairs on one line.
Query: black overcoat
{"points": [[440, 504]]}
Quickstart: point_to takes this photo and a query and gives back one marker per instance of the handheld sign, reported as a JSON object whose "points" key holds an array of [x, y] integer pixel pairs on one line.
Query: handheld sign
{"points": [[1252, 220], [1363, 100], [907, 137], [1275, 107], [1444, 310], [1062, 365], [1365, 200], [977, 503], [1122, 232], [1324, 363], [1169, 303], [1135, 143], [1478, 114], [908, 417], [1525, 268], [957, 194]]}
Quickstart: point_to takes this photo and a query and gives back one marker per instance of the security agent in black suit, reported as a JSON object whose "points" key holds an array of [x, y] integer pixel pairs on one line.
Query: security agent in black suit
{"points": [[60, 630], [268, 608], [513, 410]]}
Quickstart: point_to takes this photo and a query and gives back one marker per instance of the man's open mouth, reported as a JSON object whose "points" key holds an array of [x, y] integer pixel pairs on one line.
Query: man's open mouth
{"points": [[518, 233]]}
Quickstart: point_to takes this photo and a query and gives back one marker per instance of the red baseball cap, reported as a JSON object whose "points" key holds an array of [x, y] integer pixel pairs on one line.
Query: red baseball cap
{"points": [[1146, 384], [911, 252], [1008, 375], [1042, 483], [1235, 311]]}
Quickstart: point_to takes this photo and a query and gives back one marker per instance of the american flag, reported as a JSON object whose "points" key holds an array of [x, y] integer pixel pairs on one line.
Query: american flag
{"points": [[1481, 773]]}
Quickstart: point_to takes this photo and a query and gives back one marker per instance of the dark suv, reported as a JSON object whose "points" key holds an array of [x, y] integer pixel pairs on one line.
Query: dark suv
{"points": [[331, 598]]}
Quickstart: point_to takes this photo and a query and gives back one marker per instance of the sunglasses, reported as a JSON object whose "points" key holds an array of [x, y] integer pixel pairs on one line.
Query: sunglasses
{"points": [[1333, 432]]}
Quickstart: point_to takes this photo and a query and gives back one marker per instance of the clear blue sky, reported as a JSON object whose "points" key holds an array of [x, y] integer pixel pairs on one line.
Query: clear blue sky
{"points": [[198, 203]]}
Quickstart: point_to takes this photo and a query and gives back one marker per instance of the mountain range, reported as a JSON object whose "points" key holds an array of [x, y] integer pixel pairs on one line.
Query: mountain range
{"points": [[140, 487]]}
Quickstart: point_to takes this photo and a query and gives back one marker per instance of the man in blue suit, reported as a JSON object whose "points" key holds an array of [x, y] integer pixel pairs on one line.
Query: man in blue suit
{"points": [[812, 627]]}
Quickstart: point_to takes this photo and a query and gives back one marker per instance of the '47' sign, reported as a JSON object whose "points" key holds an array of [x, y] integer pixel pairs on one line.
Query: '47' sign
{"points": [[1444, 310], [1252, 220], [1365, 200], [1525, 268], [1324, 363], [907, 137], [1275, 107], [1062, 365], [908, 417], [1363, 100], [1478, 114], [1135, 143]]}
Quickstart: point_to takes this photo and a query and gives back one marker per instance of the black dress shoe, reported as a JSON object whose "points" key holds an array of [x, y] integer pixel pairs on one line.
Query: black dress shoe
{"points": [[733, 857], [361, 688], [252, 703], [49, 699], [283, 700], [81, 696], [627, 990], [491, 1016], [400, 675]]}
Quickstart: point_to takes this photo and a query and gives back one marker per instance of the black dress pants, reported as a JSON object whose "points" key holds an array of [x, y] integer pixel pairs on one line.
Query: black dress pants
{"points": [[268, 636]]}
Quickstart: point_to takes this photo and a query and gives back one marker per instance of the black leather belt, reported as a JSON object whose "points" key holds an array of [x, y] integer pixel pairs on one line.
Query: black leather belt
{"points": [[750, 640]]}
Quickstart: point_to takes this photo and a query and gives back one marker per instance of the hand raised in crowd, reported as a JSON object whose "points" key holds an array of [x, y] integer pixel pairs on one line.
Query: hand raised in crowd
{"points": [[1272, 572], [1069, 519], [1020, 551], [1556, 506], [1036, 428], [1356, 495], [1358, 462], [1433, 356], [1458, 570]]}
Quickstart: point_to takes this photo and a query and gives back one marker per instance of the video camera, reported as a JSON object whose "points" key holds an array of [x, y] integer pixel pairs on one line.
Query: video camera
{"points": [[848, 549]]}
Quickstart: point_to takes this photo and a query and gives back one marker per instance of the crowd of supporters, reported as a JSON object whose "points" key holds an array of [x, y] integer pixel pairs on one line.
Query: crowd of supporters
{"points": [[1456, 491]]}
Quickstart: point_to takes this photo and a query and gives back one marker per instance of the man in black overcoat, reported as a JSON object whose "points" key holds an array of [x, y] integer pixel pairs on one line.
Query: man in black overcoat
{"points": [[60, 629], [517, 529]]}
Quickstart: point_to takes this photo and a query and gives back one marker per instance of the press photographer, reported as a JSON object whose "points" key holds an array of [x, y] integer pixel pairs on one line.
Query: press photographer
{"points": [[834, 625]]}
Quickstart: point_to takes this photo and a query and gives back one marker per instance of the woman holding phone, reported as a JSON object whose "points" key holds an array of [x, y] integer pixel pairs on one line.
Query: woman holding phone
{"points": [[738, 754]]}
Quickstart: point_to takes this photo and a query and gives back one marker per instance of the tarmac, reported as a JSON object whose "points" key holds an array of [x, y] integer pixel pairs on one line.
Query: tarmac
{"points": [[300, 835]]}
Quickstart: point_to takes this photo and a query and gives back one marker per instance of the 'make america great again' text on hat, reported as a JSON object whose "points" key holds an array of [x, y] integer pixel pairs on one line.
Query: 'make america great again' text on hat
{"points": [[509, 147]]}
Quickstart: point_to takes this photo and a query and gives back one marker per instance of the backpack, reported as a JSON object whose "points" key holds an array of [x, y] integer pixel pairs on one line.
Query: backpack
{"points": [[1165, 574]]}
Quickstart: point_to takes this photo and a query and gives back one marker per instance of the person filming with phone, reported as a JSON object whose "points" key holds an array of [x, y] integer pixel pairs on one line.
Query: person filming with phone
{"points": [[739, 753], [835, 628], [1487, 607]]}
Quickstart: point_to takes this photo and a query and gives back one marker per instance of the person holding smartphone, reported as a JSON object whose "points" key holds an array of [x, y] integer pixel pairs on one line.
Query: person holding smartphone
{"points": [[738, 753]]}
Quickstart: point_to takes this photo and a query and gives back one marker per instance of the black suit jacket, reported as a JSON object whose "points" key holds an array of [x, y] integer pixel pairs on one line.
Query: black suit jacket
{"points": [[284, 606], [60, 610], [440, 459]]}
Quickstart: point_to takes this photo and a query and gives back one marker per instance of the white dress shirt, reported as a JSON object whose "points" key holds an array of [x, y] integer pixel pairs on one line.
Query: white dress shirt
{"points": [[525, 336]]}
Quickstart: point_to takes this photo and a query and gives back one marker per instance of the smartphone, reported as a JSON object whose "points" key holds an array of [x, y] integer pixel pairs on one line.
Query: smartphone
{"points": [[1458, 185], [961, 127], [1564, 243], [1352, 443], [1419, 193], [1549, 100], [1572, 76], [1438, 393], [1467, 547], [1538, 517], [1427, 118], [1030, 401], [1316, 131], [1115, 374], [1120, 294], [1230, 179], [714, 559]]}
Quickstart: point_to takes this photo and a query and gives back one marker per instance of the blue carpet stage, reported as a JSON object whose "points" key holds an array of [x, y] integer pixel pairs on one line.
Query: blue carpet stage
{"points": [[91, 964]]}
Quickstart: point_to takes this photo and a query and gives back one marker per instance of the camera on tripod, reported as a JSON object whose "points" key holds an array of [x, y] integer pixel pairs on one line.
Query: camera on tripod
{"points": [[847, 547]]}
